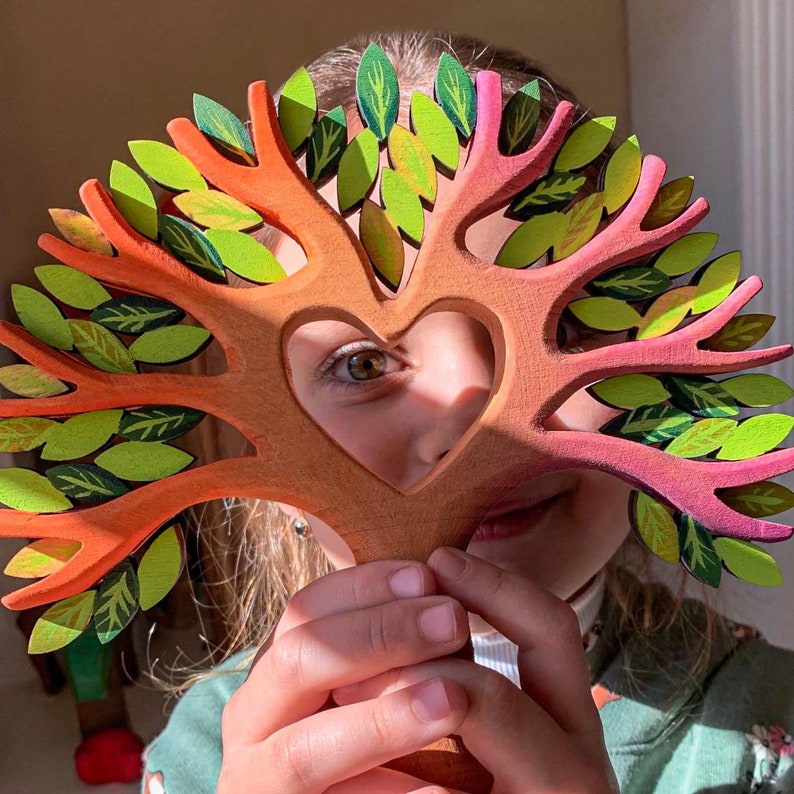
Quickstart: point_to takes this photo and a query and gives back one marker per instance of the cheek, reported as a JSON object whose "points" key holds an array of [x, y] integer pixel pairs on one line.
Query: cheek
{"points": [[581, 412]]}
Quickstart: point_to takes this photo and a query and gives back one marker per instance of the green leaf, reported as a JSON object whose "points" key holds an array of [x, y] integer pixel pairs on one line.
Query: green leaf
{"points": [[81, 231], [101, 348], [297, 108], [532, 239], [134, 199], [520, 120], [41, 317], [326, 145], [456, 95], [41, 558], [758, 499], [630, 391], [382, 242], [402, 204], [698, 552], [28, 381], [666, 313], [700, 396], [143, 461], [86, 482], [622, 174], [582, 223], [633, 283], [650, 424], [669, 203], [435, 130], [413, 162], [116, 602], [551, 193], [216, 210], [358, 169], [605, 314], [25, 490], [62, 623], [24, 433], [686, 254], [702, 438], [220, 124], [655, 526], [81, 435], [72, 287], [246, 256], [740, 333], [377, 91], [748, 562], [158, 422], [757, 390], [585, 143], [717, 282], [166, 166], [169, 345], [160, 567], [191, 246], [755, 436], [134, 314]]}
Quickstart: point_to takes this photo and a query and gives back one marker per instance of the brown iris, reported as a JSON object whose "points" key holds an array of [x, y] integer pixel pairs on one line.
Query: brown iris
{"points": [[367, 365]]}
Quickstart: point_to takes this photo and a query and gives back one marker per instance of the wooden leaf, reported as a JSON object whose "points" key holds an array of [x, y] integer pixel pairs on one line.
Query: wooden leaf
{"points": [[748, 562], [220, 124], [702, 438], [326, 145], [41, 558], [377, 91], [758, 499], [740, 333], [686, 254], [650, 424], [28, 381], [700, 395], [532, 239], [655, 526], [81, 435], [297, 108], [191, 246], [143, 461], [116, 602], [216, 210], [455, 93], [605, 314], [166, 166], [413, 162], [246, 256], [758, 390], [435, 130], [551, 193], [633, 283], [62, 623], [583, 219], [134, 199], [755, 436], [41, 317], [520, 120], [669, 203], [630, 391], [698, 552], [23, 433], [100, 347], [357, 171], [134, 314], [622, 174], [81, 231], [402, 204], [717, 282], [86, 482], [382, 242], [26, 490], [169, 345], [161, 566], [71, 287], [585, 143], [666, 313], [158, 422]]}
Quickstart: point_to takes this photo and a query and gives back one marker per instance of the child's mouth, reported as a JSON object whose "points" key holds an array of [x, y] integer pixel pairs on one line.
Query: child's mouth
{"points": [[515, 522]]}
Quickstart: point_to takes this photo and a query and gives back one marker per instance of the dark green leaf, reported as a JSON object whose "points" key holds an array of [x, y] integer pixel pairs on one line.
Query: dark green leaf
{"points": [[158, 422], [134, 314], [650, 424], [633, 283], [697, 551], [520, 119], [456, 95], [326, 145], [86, 481], [116, 602], [549, 194], [377, 91], [700, 395], [188, 244]]}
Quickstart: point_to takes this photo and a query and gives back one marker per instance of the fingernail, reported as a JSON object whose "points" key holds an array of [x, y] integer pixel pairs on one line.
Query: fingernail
{"points": [[450, 563], [438, 623], [430, 703], [407, 582]]}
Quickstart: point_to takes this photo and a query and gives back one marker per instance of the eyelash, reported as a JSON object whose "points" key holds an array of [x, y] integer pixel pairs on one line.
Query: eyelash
{"points": [[325, 371]]}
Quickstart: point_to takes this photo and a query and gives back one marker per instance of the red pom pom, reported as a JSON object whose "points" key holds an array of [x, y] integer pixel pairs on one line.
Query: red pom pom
{"points": [[112, 756]]}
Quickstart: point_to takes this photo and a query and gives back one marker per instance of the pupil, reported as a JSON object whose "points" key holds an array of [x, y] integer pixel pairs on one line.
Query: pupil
{"points": [[366, 366]]}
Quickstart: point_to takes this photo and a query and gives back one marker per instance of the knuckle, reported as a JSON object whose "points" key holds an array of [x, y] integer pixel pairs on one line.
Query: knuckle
{"points": [[378, 633], [286, 660], [291, 761], [566, 624], [498, 695]]}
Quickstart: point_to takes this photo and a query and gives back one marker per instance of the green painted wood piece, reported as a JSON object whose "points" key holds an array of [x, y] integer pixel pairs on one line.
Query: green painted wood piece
{"points": [[246, 256], [169, 345], [585, 143], [666, 313], [435, 130], [456, 95], [703, 438], [669, 203], [39, 315], [88, 664], [622, 174], [327, 144], [134, 314], [62, 623], [223, 126], [24, 433], [160, 567], [81, 435], [630, 391], [143, 461], [382, 242], [297, 107], [402, 205], [755, 436], [717, 282], [101, 348], [166, 166], [582, 223], [358, 168], [81, 231], [158, 422], [377, 91], [26, 490], [71, 286], [413, 162], [520, 120], [758, 499], [650, 424], [86, 482], [740, 333], [700, 395], [41, 558], [552, 192], [532, 239], [134, 199], [748, 562], [29, 381], [697, 551], [605, 314], [191, 246], [758, 389], [655, 526], [632, 283], [116, 602], [217, 210], [686, 253]]}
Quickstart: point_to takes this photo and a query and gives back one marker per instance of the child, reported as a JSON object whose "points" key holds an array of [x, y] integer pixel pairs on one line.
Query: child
{"points": [[666, 696]]}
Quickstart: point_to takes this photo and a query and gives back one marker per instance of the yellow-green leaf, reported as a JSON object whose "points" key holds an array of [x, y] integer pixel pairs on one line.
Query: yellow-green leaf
{"points": [[81, 435], [655, 526], [216, 210], [686, 254], [702, 438], [24, 433], [169, 345], [134, 199], [62, 623], [585, 143], [532, 239], [435, 130], [41, 317], [622, 174], [358, 169], [382, 242], [101, 348], [605, 314], [413, 162], [666, 313], [143, 461], [81, 231], [41, 558], [166, 166], [72, 287], [669, 203], [28, 381], [758, 499], [630, 391], [717, 282], [26, 490], [160, 567], [748, 562], [583, 220], [246, 256], [297, 108], [402, 204], [755, 436], [757, 389]]}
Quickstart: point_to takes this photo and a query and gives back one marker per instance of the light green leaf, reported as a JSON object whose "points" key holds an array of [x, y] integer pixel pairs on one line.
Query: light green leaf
{"points": [[755, 436], [297, 108], [382, 242], [24, 433], [160, 567], [216, 210], [666, 313], [717, 282], [456, 95], [532, 239], [41, 558], [686, 254], [402, 204], [166, 166], [41, 317], [605, 314], [72, 287], [748, 562], [435, 130], [169, 345], [62, 623], [246, 256], [143, 461], [520, 120], [116, 602], [655, 526], [622, 174], [582, 222], [25, 490], [585, 143], [630, 391], [81, 435], [758, 390], [358, 169], [377, 91], [220, 124], [28, 381], [134, 199], [101, 348], [81, 231], [702, 438]]}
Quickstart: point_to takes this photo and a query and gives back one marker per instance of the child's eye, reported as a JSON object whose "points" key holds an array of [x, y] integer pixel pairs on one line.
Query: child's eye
{"points": [[360, 362], [367, 365]]}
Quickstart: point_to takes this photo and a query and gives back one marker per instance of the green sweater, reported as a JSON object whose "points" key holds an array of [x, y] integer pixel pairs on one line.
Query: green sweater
{"points": [[667, 732]]}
